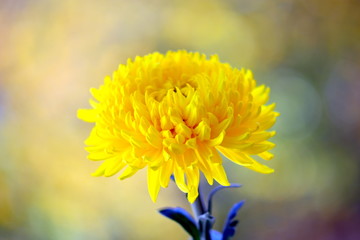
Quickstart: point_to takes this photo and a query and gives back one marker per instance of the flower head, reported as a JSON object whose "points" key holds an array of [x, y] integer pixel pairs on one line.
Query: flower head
{"points": [[173, 114]]}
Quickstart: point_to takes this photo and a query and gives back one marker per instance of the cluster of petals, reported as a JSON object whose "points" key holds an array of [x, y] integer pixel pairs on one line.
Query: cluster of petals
{"points": [[174, 114]]}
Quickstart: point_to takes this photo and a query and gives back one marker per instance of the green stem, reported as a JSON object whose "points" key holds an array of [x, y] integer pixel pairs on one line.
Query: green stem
{"points": [[198, 207]]}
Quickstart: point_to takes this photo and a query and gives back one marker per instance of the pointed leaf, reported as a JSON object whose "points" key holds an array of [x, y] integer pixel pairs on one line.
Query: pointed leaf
{"points": [[215, 190], [182, 217], [233, 211], [230, 224]]}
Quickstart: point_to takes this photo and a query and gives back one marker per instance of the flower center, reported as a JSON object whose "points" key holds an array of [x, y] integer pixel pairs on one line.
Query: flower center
{"points": [[160, 93]]}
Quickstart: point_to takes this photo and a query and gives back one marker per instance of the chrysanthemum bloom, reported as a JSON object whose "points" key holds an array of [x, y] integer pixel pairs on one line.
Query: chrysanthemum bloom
{"points": [[174, 114]]}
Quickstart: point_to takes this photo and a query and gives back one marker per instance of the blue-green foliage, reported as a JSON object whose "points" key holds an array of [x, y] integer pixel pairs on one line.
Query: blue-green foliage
{"points": [[202, 230], [182, 217]]}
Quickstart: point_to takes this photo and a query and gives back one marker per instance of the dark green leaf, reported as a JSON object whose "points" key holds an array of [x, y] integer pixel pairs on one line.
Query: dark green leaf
{"points": [[182, 217]]}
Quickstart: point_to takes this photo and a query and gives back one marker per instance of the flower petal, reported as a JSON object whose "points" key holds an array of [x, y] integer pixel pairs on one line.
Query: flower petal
{"points": [[166, 170], [180, 178], [193, 180], [244, 160], [87, 115], [153, 183]]}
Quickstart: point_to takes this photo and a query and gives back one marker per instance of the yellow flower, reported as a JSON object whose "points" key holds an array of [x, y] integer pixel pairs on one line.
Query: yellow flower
{"points": [[173, 114]]}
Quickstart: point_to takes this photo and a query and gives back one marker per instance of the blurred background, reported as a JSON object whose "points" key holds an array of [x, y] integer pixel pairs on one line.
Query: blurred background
{"points": [[53, 52]]}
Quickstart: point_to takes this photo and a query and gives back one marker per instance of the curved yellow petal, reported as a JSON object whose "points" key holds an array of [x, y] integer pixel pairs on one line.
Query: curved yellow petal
{"points": [[244, 160], [180, 178], [165, 172], [153, 183], [87, 115], [218, 170], [193, 179]]}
